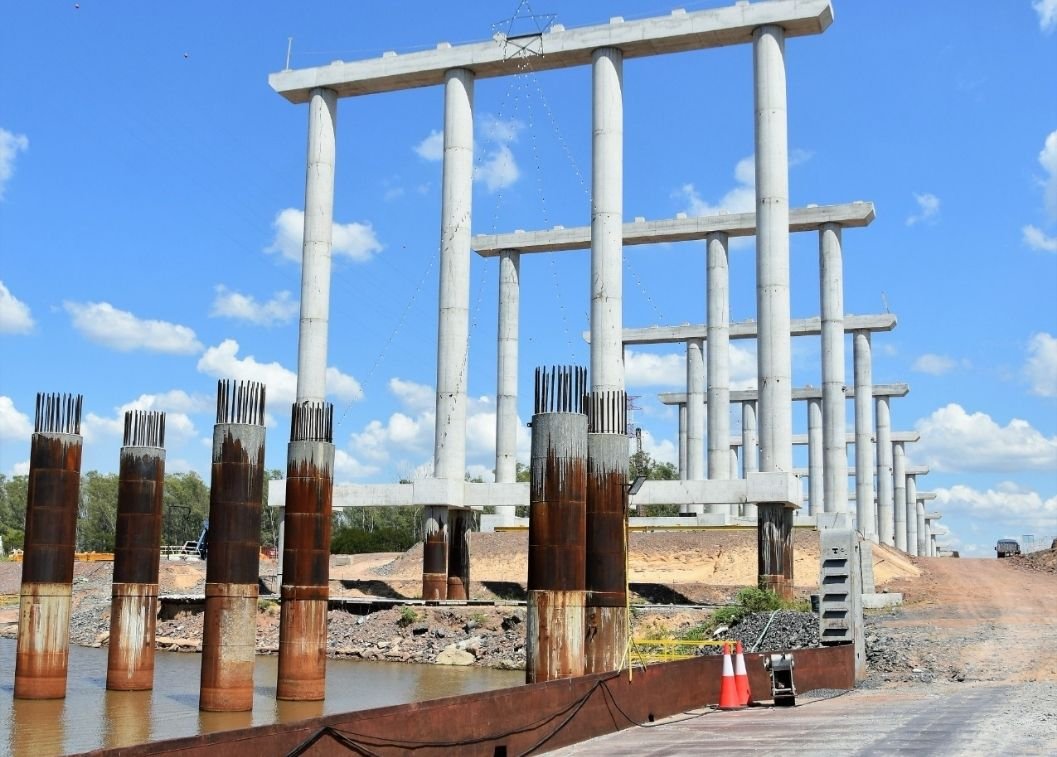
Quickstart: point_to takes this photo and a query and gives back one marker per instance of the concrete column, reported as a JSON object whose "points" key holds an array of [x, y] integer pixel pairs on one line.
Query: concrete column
{"points": [[772, 251], [718, 332], [885, 514], [682, 441], [733, 471], [506, 373], [932, 544], [750, 451], [899, 495], [864, 504], [449, 456], [912, 515], [607, 240], [923, 532], [315, 252], [695, 416], [835, 452], [814, 456]]}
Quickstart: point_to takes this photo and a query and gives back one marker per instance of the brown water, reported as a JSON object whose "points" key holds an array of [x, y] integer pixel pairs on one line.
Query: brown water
{"points": [[91, 717]]}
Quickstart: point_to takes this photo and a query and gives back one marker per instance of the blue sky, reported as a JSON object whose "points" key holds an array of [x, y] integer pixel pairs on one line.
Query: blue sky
{"points": [[151, 185]]}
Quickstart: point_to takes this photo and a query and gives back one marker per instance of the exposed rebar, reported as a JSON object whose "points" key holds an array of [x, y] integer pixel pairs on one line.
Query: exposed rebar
{"points": [[312, 422], [58, 413], [607, 412], [240, 402], [560, 389], [144, 428]]}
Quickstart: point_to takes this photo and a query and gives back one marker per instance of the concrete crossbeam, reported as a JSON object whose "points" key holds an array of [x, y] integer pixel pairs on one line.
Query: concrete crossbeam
{"points": [[912, 470], [802, 440], [559, 48], [690, 229], [799, 393], [759, 487], [748, 329]]}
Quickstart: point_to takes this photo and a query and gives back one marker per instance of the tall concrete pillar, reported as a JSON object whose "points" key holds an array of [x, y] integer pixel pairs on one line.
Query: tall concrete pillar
{"points": [[885, 509], [232, 567], [815, 465], [316, 249], [835, 451], [506, 378], [718, 331], [695, 415], [865, 513], [682, 441], [923, 532], [449, 460], [453, 322], [750, 450], [774, 360], [912, 515], [305, 587], [772, 251], [43, 647], [607, 197], [137, 550], [605, 622], [899, 495]]}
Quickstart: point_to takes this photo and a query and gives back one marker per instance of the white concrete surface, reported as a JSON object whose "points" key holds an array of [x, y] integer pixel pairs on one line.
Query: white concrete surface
{"points": [[686, 229], [507, 371], [831, 308], [814, 456], [695, 416], [677, 32], [911, 498], [865, 513], [799, 393], [449, 449], [718, 327], [750, 330], [607, 202], [899, 495], [885, 510], [316, 248], [750, 455]]}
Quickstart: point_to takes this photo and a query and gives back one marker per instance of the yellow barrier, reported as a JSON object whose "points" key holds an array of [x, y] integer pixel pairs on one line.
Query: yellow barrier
{"points": [[16, 556], [663, 650]]}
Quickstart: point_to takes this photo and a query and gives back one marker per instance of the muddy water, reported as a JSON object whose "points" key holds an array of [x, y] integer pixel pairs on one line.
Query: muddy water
{"points": [[91, 717]]}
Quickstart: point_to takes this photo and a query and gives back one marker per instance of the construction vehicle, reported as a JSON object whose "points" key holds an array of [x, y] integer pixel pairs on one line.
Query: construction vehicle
{"points": [[1007, 548]]}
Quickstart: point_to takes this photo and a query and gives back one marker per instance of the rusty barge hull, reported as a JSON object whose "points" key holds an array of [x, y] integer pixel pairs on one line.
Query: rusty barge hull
{"points": [[516, 720]]}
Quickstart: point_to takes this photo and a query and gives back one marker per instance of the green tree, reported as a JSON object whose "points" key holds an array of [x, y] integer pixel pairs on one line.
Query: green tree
{"points": [[270, 515], [641, 464], [97, 521], [185, 508], [14, 492]]}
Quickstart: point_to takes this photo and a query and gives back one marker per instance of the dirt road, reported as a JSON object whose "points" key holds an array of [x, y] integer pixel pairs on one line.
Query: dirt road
{"points": [[987, 628]]}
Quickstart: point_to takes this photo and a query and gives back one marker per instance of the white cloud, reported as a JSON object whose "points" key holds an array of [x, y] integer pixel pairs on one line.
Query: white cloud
{"points": [[223, 361], [954, 440], [102, 323], [1048, 161], [432, 147], [355, 241], [175, 403], [928, 208], [281, 308], [347, 467], [937, 365], [14, 314], [1037, 239], [498, 169], [741, 198], [10, 146], [20, 469], [14, 425], [1047, 10], [1007, 502], [648, 369], [1041, 367], [661, 450], [413, 395]]}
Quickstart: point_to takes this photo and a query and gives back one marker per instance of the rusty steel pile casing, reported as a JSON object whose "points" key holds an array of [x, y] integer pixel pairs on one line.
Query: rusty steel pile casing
{"points": [[302, 669], [137, 551], [459, 528], [606, 616], [435, 553], [554, 631], [42, 651], [232, 566], [775, 548]]}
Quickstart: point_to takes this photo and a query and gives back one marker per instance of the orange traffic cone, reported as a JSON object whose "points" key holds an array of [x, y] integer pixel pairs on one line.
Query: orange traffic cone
{"points": [[741, 677], [728, 691]]}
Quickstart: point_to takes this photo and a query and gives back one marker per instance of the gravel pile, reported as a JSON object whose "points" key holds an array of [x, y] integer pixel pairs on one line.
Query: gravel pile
{"points": [[787, 630], [909, 654]]}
